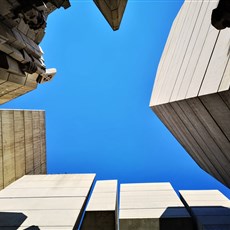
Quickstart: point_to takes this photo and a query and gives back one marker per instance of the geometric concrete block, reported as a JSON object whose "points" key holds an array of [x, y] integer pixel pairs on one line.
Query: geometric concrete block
{"points": [[209, 208], [101, 211], [22, 144], [151, 206], [59, 206], [191, 89], [112, 10]]}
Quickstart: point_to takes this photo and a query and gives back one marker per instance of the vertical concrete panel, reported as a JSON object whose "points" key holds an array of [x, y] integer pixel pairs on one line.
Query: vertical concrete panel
{"points": [[190, 49], [180, 53], [212, 127], [101, 211], [225, 95], [160, 81], [217, 64], [19, 135], [167, 49], [29, 142], [43, 141], [36, 142], [219, 111], [203, 60], [1, 155], [178, 134], [225, 82], [43, 168], [204, 29], [199, 133], [8, 146]]}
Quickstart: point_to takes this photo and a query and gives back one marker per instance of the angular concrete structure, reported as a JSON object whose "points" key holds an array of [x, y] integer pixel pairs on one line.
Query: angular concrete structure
{"points": [[101, 212], [152, 206], [45, 201], [191, 90], [22, 28], [22, 144], [209, 208], [112, 10]]}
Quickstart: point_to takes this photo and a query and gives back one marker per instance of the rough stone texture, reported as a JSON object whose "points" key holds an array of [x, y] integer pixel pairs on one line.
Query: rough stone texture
{"points": [[152, 206], [45, 201], [101, 211], [191, 89], [210, 208], [112, 10], [22, 27], [22, 144]]}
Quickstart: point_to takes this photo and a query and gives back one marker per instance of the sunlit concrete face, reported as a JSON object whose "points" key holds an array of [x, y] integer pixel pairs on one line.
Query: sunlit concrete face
{"points": [[45, 201], [151, 206], [101, 211], [191, 90], [22, 144], [210, 208]]}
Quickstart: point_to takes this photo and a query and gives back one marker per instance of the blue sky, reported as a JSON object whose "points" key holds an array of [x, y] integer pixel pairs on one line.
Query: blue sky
{"points": [[97, 107]]}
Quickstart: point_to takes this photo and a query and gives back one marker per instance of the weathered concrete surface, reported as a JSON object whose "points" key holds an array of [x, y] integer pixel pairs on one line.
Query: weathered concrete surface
{"points": [[22, 28], [191, 89], [209, 208], [112, 10], [151, 206], [22, 144], [57, 206], [101, 211]]}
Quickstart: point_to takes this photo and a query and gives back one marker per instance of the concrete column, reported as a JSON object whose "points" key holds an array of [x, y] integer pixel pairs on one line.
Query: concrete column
{"points": [[101, 211]]}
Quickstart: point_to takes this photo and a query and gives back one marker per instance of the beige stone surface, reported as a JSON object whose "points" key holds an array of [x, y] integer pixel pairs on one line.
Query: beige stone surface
{"points": [[151, 206], [22, 144], [101, 211], [53, 207]]}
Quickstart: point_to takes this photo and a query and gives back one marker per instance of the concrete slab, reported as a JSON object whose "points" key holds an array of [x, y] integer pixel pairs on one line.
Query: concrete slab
{"points": [[101, 211], [146, 206], [55, 207], [213, 212], [43, 192]]}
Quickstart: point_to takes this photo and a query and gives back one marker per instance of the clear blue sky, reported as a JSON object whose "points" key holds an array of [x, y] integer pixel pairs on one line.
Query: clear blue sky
{"points": [[97, 106]]}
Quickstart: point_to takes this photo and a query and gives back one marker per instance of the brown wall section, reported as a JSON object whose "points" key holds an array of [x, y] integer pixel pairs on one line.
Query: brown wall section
{"points": [[22, 144]]}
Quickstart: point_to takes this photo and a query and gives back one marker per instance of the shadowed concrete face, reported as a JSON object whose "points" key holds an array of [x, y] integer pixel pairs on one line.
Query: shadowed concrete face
{"points": [[209, 208], [11, 219], [151, 206], [101, 211], [112, 10], [48, 201]]}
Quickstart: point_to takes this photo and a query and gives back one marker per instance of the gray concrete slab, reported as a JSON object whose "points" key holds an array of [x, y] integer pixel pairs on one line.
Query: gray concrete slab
{"points": [[54, 207], [192, 74], [210, 208], [151, 206], [101, 211]]}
